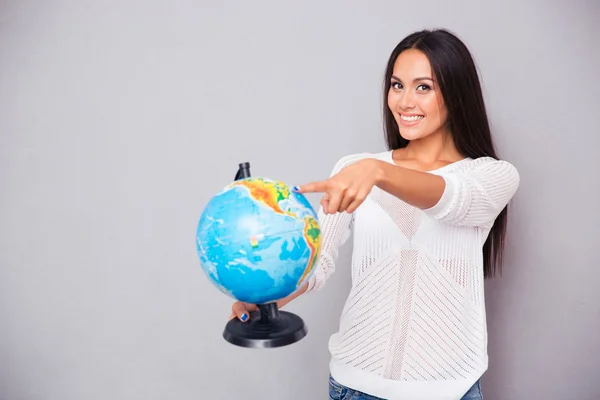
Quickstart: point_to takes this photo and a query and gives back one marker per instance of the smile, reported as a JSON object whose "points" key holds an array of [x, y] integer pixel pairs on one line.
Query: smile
{"points": [[412, 118]]}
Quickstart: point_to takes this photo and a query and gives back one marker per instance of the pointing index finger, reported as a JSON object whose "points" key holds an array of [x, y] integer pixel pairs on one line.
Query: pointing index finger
{"points": [[312, 187]]}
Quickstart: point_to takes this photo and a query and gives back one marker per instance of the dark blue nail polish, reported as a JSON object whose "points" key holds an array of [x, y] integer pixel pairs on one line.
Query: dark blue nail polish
{"points": [[295, 188], [244, 317]]}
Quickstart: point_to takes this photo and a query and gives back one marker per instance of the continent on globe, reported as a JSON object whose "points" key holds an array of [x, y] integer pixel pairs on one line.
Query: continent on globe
{"points": [[258, 241]]}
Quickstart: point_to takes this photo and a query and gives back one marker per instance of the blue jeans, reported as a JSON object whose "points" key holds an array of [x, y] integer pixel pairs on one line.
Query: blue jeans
{"points": [[337, 391]]}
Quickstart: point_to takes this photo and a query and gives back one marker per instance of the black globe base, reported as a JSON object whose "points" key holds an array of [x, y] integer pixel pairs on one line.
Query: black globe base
{"points": [[267, 328]]}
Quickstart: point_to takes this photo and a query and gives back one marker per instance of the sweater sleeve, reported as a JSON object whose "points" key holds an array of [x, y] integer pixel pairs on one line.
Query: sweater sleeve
{"points": [[475, 197], [335, 230]]}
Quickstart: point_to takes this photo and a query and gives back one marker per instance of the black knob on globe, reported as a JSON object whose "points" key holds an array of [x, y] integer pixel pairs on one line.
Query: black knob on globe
{"points": [[243, 171]]}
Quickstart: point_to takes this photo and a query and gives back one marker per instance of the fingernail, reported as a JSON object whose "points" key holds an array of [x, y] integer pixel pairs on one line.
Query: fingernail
{"points": [[295, 188], [244, 317]]}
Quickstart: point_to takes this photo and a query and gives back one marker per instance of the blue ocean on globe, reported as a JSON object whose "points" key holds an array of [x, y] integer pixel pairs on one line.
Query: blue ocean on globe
{"points": [[258, 241]]}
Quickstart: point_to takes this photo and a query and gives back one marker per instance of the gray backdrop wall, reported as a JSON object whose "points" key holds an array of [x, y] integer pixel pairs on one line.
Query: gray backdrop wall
{"points": [[119, 120]]}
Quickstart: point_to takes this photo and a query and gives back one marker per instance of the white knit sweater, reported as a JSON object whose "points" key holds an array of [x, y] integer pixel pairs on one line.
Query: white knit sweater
{"points": [[414, 325]]}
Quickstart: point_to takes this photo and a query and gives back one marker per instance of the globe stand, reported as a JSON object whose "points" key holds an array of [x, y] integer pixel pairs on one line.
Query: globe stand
{"points": [[268, 327]]}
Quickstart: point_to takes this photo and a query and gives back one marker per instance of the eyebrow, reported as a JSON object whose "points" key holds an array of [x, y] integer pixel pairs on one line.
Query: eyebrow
{"points": [[423, 78]]}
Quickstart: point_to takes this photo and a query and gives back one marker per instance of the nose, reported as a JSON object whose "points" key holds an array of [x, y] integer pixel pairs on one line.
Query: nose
{"points": [[406, 100]]}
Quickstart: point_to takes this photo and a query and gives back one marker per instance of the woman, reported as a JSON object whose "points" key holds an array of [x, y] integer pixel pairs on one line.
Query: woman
{"points": [[429, 220]]}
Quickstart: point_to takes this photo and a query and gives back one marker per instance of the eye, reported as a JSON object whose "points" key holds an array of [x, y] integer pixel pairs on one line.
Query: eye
{"points": [[397, 85], [423, 88]]}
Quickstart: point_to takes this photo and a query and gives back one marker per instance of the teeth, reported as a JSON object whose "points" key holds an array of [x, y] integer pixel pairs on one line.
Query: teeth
{"points": [[411, 119]]}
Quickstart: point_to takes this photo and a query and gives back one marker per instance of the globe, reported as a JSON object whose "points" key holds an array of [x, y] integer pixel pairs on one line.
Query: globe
{"points": [[258, 241]]}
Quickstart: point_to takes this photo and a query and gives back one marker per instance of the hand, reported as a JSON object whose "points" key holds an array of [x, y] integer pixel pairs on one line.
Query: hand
{"points": [[242, 310], [347, 189]]}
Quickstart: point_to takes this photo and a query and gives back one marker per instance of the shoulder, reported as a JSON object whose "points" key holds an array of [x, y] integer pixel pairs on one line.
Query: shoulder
{"points": [[488, 163], [350, 159], [488, 167]]}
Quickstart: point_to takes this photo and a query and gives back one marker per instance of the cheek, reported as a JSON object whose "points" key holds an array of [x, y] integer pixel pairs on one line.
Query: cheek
{"points": [[390, 100], [443, 115], [441, 108], [434, 108], [442, 112], [430, 106]]}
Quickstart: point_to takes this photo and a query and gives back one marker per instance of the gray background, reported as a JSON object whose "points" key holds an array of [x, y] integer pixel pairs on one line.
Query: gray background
{"points": [[119, 120]]}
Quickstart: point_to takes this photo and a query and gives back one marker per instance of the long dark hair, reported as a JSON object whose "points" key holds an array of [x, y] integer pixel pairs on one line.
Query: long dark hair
{"points": [[458, 81]]}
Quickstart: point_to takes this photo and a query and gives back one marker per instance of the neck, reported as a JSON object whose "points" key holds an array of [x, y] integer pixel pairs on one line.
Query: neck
{"points": [[438, 146]]}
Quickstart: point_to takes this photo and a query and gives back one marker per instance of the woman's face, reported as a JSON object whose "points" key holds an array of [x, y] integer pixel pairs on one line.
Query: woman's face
{"points": [[414, 97]]}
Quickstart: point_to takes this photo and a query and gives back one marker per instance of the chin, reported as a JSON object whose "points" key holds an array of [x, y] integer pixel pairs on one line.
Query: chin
{"points": [[408, 134]]}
